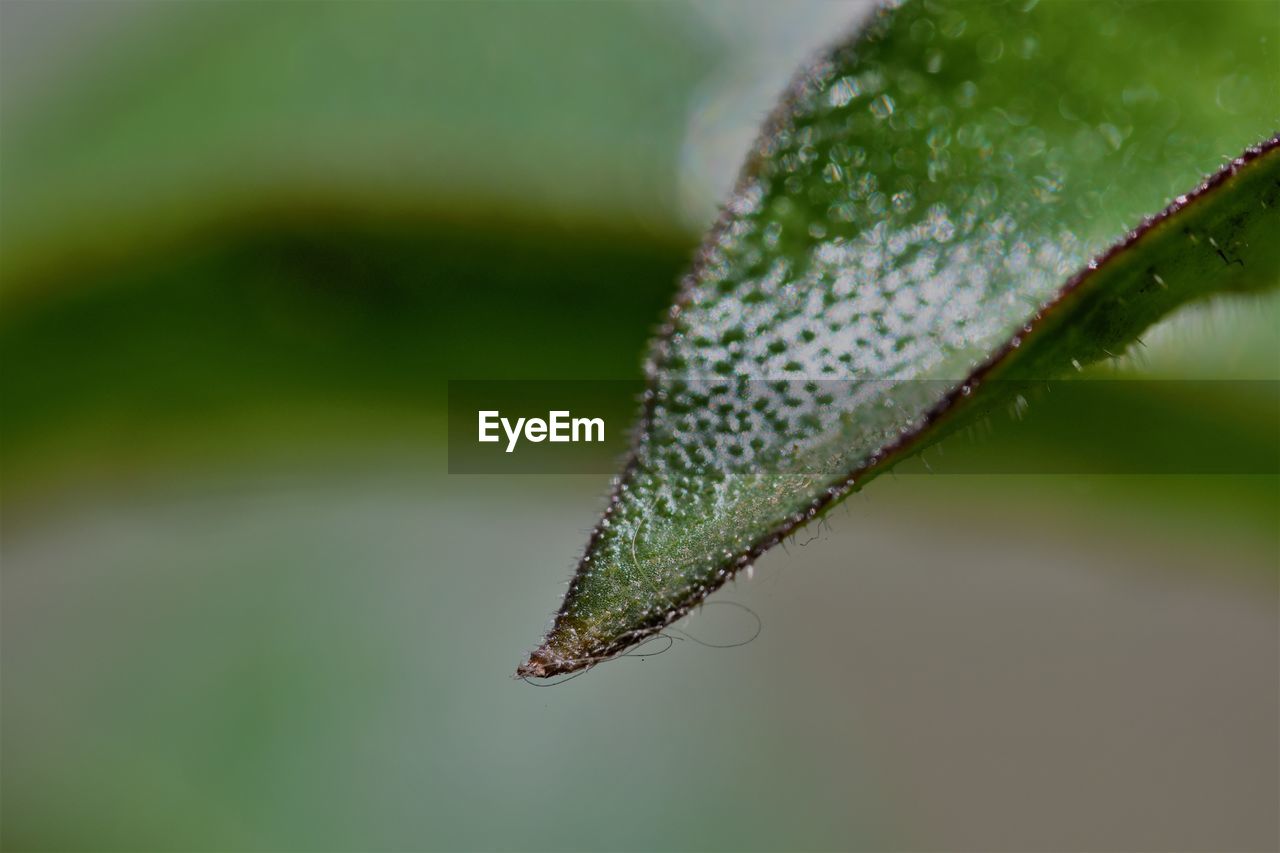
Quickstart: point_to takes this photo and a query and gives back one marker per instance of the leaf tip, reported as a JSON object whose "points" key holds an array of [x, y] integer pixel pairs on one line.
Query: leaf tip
{"points": [[537, 665], [549, 659]]}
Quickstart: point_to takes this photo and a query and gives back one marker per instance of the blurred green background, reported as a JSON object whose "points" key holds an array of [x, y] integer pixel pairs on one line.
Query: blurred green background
{"points": [[243, 246]]}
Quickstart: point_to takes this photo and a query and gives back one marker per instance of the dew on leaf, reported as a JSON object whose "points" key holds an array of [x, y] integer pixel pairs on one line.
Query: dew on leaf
{"points": [[895, 233], [882, 106], [990, 48]]}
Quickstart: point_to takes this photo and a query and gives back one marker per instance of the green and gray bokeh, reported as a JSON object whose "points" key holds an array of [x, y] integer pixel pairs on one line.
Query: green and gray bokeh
{"points": [[245, 607]]}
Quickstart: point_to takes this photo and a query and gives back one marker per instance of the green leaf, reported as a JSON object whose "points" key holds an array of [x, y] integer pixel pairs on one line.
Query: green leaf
{"points": [[193, 112], [232, 230], [917, 222], [303, 333]]}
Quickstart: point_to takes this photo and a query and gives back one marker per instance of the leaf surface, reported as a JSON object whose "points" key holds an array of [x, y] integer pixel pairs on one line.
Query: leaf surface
{"points": [[927, 212]]}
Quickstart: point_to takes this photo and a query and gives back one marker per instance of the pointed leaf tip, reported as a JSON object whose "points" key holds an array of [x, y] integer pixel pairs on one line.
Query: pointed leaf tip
{"points": [[917, 221]]}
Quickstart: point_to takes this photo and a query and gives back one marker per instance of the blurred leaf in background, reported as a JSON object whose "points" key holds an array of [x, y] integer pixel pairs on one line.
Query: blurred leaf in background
{"points": [[248, 210], [461, 109]]}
